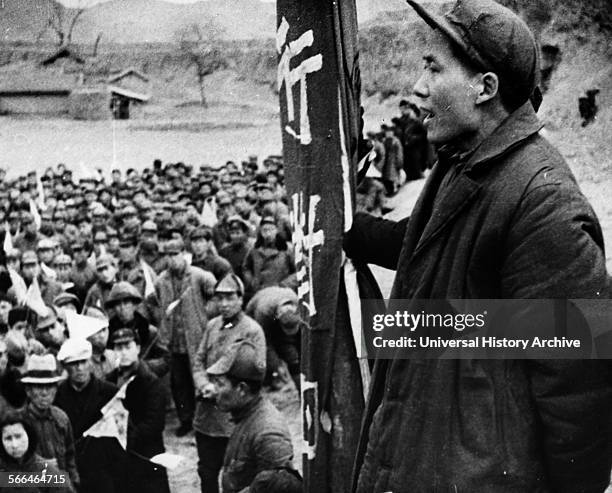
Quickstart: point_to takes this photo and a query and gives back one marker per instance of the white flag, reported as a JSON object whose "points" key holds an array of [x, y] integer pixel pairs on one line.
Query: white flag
{"points": [[172, 306], [40, 192], [34, 301], [48, 271], [19, 286], [169, 461], [114, 420], [8, 240], [149, 288], [208, 217], [35, 214]]}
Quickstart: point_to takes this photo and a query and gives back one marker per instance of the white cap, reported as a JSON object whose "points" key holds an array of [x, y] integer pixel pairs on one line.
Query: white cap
{"points": [[74, 349], [82, 326]]}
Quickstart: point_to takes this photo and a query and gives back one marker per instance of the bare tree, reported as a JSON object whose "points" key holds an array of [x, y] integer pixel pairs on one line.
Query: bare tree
{"points": [[201, 46], [62, 21]]}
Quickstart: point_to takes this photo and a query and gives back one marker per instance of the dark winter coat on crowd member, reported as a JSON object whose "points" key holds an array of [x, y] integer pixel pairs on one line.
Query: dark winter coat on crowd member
{"points": [[145, 400], [55, 437], [217, 265], [153, 349], [83, 277], [511, 224], [135, 275], [235, 255], [260, 441], [267, 266], [98, 459], [194, 290], [97, 296]]}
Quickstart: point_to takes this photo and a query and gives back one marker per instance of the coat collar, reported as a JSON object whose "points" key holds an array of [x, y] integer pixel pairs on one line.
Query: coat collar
{"points": [[520, 125]]}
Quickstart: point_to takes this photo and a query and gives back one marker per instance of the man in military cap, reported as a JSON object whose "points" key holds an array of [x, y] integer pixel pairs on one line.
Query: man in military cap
{"points": [[131, 269], [244, 205], [28, 239], [239, 245], [204, 255], [225, 209], [260, 439], [213, 427], [145, 401], [106, 272], [500, 217], [83, 274], [183, 295], [31, 272], [82, 396], [49, 331], [149, 230], [46, 250], [123, 301]]}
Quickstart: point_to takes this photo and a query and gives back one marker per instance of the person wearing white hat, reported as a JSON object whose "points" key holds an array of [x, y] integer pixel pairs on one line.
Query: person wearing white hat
{"points": [[81, 397], [93, 326], [51, 423]]}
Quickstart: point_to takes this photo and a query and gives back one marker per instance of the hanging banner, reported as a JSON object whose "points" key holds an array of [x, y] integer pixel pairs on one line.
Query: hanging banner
{"points": [[318, 83]]}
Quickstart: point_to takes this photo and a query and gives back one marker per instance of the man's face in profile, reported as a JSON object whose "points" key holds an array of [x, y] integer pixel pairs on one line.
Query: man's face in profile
{"points": [[446, 92]]}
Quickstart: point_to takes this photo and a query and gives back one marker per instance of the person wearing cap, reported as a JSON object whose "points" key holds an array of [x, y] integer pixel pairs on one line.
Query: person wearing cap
{"points": [[269, 262], [244, 205], [52, 425], [131, 268], [28, 239], [49, 331], [83, 274], [66, 301], [145, 400], [204, 255], [239, 245], [260, 440], [225, 209], [149, 230], [183, 296], [113, 241], [103, 360], [106, 272], [500, 217], [31, 271], [123, 301], [275, 308], [62, 266], [82, 396], [213, 426], [100, 243]]}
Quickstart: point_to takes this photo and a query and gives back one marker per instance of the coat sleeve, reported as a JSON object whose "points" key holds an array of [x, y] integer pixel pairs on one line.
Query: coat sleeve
{"points": [[200, 377], [555, 251], [374, 240]]}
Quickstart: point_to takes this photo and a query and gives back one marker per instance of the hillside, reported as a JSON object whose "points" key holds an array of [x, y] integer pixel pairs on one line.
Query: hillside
{"points": [[138, 21]]}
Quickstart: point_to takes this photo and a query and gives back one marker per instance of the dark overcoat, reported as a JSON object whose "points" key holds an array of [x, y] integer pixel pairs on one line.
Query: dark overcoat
{"points": [[512, 224]]}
